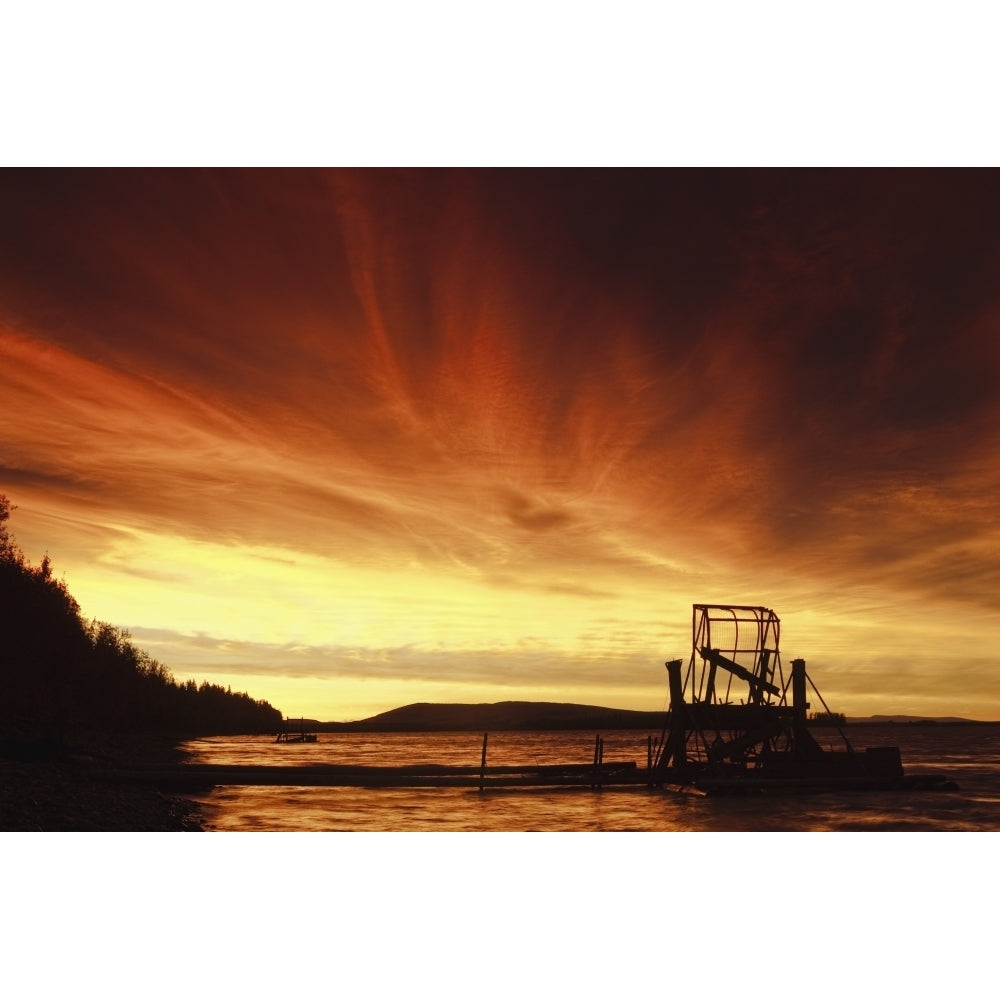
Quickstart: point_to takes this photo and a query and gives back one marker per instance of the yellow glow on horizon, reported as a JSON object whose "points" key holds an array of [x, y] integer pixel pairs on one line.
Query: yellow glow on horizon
{"points": [[301, 630], [268, 594], [413, 447]]}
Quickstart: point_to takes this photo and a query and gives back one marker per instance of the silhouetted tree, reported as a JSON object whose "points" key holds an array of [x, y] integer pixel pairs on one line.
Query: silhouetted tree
{"points": [[57, 671], [43, 644]]}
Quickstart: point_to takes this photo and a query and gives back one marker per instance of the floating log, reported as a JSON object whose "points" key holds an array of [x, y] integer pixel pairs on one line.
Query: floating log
{"points": [[619, 774], [409, 776]]}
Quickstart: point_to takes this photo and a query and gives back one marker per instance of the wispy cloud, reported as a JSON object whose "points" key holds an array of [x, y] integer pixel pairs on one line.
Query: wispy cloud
{"points": [[443, 411]]}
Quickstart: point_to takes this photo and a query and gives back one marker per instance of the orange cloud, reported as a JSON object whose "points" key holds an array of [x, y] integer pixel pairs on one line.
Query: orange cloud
{"points": [[479, 427]]}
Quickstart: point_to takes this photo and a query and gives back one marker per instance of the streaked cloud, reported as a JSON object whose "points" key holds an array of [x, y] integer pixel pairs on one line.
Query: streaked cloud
{"points": [[472, 427]]}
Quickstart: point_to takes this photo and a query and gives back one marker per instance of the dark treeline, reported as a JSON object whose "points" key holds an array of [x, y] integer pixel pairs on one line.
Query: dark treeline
{"points": [[827, 719], [59, 672]]}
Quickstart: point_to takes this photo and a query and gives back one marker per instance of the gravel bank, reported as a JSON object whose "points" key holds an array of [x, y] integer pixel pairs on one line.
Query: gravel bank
{"points": [[49, 788]]}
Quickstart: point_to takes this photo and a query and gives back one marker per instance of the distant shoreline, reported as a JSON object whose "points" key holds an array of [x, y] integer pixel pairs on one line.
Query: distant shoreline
{"points": [[521, 716], [876, 721]]}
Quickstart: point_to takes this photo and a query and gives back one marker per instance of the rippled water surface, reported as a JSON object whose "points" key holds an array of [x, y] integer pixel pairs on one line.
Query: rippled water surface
{"points": [[969, 755]]}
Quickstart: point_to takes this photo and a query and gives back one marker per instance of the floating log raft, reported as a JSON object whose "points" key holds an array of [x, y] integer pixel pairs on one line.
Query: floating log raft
{"points": [[606, 775], [201, 776]]}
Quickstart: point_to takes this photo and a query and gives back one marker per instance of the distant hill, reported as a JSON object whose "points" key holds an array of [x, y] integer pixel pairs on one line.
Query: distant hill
{"points": [[916, 720], [513, 716], [499, 717]]}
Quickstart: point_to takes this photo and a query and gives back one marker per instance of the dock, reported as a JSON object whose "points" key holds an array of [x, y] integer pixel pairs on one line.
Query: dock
{"points": [[621, 775], [194, 777]]}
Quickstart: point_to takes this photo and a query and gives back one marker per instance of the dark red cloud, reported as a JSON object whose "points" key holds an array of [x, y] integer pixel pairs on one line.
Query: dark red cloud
{"points": [[800, 358]]}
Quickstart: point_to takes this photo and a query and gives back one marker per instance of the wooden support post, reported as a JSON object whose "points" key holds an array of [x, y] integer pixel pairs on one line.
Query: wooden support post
{"points": [[677, 737], [799, 703], [482, 763], [598, 760]]}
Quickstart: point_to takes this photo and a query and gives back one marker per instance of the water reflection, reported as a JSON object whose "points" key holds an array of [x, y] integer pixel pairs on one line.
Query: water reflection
{"points": [[969, 755]]}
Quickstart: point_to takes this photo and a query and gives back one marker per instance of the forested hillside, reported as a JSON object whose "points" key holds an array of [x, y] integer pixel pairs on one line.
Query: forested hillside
{"points": [[59, 672]]}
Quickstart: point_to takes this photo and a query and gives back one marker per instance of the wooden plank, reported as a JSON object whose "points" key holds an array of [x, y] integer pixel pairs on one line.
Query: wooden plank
{"points": [[715, 658], [429, 776]]}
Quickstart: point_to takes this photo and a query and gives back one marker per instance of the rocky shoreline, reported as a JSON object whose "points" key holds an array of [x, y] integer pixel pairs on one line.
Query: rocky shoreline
{"points": [[56, 787]]}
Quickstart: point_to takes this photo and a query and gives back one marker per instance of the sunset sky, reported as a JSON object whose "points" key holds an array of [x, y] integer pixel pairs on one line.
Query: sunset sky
{"points": [[348, 440]]}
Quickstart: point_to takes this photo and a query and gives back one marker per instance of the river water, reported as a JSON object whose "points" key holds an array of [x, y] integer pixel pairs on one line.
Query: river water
{"points": [[764, 894], [969, 755]]}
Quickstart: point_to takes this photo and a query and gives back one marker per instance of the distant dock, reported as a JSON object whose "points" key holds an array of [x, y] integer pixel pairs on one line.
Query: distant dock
{"points": [[293, 732]]}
